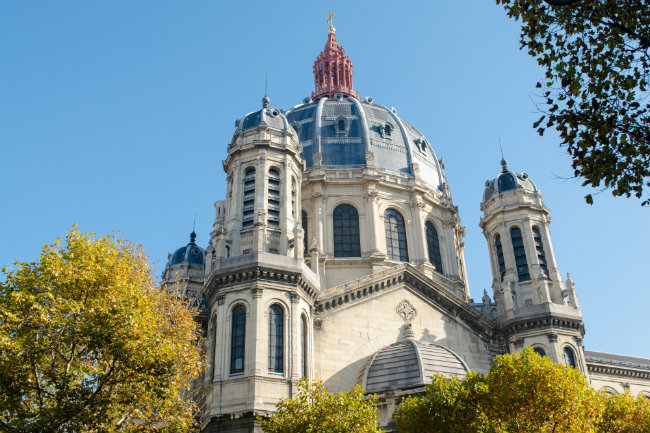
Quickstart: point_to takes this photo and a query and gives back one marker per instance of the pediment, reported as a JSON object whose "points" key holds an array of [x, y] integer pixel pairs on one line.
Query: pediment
{"points": [[406, 277]]}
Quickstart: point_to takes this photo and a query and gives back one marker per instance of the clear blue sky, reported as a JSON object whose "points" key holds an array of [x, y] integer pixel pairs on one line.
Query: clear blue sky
{"points": [[116, 115]]}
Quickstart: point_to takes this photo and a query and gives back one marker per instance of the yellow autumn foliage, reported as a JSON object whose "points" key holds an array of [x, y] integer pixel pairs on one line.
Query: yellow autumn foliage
{"points": [[89, 343]]}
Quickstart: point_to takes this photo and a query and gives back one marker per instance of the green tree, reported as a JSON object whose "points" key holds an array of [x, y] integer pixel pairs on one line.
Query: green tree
{"points": [[531, 393], [595, 91], [88, 343], [523, 392], [314, 410], [449, 405], [625, 414]]}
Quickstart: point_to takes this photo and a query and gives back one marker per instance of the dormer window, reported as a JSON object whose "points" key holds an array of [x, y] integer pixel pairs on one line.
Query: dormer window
{"points": [[386, 130], [421, 144], [342, 124]]}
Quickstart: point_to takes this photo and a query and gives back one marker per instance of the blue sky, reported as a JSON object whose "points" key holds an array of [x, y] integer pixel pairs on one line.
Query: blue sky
{"points": [[116, 116]]}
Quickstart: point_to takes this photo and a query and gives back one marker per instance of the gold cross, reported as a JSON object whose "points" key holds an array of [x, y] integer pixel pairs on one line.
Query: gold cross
{"points": [[329, 20]]}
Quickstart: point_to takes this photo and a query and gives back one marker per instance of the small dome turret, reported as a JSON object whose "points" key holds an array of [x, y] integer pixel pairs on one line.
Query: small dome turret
{"points": [[190, 254], [507, 181], [267, 117]]}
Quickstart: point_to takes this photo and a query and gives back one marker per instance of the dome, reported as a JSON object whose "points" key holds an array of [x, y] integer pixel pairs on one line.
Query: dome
{"points": [[267, 117], [343, 129], [507, 181], [190, 254], [408, 364]]}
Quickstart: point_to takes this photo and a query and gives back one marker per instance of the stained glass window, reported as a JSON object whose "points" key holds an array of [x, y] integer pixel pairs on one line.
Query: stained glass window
{"points": [[303, 346], [396, 246], [276, 339], [569, 357], [346, 232], [306, 230], [433, 247], [238, 339]]}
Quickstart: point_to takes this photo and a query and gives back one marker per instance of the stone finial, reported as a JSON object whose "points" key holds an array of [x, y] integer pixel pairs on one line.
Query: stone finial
{"points": [[486, 298], [266, 101], [504, 165]]}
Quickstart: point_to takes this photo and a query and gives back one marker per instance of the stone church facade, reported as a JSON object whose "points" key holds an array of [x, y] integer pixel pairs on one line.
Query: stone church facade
{"points": [[337, 254]]}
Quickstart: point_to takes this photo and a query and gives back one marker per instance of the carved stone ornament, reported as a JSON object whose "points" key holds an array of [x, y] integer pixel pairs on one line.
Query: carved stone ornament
{"points": [[406, 311]]}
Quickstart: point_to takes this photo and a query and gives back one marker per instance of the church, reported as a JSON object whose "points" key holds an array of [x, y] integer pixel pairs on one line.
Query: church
{"points": [[337, 254]]}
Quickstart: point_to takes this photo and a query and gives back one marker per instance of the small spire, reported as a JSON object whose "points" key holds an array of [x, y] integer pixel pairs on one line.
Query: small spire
{"points": [[504, 163], [266, 101], [192, 237]]}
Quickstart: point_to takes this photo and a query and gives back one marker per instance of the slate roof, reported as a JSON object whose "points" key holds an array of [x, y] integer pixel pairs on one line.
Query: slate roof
{"points": [[317, 125], [408, 364]]}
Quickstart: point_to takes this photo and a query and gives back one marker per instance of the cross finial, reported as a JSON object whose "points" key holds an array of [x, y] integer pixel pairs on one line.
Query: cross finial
{"points": [[329, 20]]}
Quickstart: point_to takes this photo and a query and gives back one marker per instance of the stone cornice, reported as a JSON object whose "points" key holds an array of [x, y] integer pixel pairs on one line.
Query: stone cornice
{"points": [[226, 278], [411, 278], [548, 321], [610, 370]]}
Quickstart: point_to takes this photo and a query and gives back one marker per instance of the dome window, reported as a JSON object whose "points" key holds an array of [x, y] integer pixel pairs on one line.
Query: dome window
{"points": [[387, 130], [342, 125], [422, 144]]}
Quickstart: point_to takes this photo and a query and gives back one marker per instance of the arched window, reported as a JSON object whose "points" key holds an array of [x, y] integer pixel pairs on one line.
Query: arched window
{"points": [[396, 246], [433, 247], [539, 351], [539, 246], [499, 249], [303, 346], [248, 212], [520, 254], [238, 339], [341, 125], [305, 228], [276, 339], [274, 198], [346, 232], [569, 357]]}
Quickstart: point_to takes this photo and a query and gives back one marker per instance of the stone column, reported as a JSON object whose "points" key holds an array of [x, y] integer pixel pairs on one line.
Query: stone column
{"points": [[256, 327]]}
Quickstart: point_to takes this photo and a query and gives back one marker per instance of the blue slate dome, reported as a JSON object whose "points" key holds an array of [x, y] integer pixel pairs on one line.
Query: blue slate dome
{"points": [[342, 129], [190, 254], [267, 117], [507, 181]]}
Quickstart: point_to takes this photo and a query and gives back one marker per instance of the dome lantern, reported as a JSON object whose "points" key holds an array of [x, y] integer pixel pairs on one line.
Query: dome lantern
{"points": [[333, 70]]}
